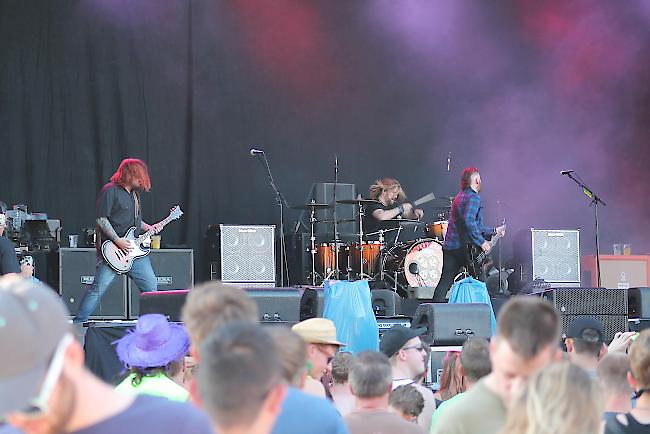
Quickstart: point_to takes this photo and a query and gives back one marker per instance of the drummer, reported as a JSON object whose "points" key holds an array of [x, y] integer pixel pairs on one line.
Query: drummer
{"points": [[391, 204]]}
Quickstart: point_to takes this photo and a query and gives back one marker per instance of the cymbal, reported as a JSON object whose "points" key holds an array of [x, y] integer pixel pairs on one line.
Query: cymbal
{"points": [[313, 205], [338, 221], [405, 222], [359, 201]]}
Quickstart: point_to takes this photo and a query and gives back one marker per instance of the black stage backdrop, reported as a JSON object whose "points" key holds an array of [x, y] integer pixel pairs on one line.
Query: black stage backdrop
{"points": [[191, 85]]}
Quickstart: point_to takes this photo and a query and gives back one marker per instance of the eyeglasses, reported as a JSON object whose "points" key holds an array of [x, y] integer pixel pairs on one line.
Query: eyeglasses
{"points": [[329, 358], [415, 347], [38, 405]]}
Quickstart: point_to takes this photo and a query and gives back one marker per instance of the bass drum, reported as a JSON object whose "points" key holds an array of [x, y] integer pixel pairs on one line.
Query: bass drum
{"points": [[416, 264]]}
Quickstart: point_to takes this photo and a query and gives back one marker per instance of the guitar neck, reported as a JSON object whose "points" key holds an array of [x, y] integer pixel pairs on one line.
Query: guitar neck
{"points": [[150, 232]]}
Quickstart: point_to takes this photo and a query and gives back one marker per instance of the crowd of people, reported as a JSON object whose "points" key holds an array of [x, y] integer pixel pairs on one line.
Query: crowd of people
{"points": [[221, 371]]}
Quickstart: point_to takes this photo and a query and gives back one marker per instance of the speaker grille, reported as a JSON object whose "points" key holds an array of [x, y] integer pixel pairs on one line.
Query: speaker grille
{"points": [[247, 253], [588, 301], [556, 255], [611, 324]]}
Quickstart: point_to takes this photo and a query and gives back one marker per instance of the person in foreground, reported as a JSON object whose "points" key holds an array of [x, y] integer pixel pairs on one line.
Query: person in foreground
{"points": [[45, 387], [154, 355], [213, 305], [408, 356], [371, 382], [562, 398], [528, 330], [638, 419], [239, 383]]}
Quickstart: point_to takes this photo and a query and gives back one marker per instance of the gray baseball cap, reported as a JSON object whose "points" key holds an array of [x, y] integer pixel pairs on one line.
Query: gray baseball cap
{"points": [[32, 323]]}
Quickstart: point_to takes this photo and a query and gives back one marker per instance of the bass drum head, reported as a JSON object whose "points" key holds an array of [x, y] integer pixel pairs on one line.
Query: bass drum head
{"points": [[423, 263]]}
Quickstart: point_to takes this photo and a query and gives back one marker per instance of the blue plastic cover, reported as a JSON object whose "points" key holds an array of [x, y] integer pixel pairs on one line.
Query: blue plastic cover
{"points": [[470, 290], [349, 306]]}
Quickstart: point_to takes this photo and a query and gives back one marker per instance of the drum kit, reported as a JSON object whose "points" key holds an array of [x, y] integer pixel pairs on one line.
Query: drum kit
{"points": [[400, 264]]}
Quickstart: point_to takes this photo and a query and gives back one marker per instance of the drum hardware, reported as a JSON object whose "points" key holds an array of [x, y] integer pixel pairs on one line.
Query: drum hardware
{"points": [[313, 205], [360, 203]]}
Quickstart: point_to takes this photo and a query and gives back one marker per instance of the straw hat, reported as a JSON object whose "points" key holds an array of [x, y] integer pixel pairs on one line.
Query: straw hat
{"points": [[317, 331]]}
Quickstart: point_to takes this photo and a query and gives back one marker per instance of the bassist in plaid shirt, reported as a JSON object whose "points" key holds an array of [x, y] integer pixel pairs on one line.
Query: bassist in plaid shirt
{"points": [[465, 227]]}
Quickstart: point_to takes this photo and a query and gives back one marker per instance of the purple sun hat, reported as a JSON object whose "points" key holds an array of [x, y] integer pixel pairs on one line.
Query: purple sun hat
{"points": [[154, 342]]}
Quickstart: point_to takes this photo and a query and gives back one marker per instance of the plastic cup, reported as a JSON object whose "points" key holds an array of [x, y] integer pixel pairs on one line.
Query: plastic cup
{"points": [[627, 249], [155, 242]]}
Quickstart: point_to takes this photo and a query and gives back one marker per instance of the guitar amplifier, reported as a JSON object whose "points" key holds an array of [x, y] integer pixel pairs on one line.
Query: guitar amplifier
{"points": [[387, 322], [77, 273], [556, 256], [174, 269], [248, 254]]}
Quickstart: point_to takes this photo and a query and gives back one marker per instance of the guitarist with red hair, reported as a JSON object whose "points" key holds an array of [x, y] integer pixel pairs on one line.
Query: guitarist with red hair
{"points": [[118, 209], [465, 229]]}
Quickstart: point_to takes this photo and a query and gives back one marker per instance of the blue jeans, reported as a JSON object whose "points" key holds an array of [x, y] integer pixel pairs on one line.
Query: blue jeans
{"points": [[141, 273]]}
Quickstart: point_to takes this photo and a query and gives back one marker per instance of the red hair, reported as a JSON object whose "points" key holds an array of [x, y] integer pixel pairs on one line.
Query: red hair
{"points": [[132, 168], [466, 177]]}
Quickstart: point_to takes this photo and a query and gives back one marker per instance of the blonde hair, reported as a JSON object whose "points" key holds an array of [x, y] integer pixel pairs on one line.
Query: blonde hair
{"points": [[561, 398], [640, 359], [383, 184], [213, 304]]}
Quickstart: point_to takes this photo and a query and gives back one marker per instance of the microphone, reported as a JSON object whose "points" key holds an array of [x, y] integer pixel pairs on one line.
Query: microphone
{"points": [[566, 172], [448, 161], [256, 151]]}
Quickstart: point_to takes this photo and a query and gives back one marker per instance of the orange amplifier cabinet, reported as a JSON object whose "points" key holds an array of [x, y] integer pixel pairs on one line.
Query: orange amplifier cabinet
{"points": [[617, 271]]}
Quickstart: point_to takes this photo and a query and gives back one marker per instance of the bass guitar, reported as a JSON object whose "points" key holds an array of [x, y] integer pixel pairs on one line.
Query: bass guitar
{"points": [[122, 261], [476, 256]]}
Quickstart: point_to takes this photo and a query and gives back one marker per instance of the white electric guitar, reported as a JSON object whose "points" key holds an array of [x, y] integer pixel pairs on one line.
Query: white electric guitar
{"points": [[122, 261]]}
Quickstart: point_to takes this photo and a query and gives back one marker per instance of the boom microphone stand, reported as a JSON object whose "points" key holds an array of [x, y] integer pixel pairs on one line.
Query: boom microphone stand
{"points": [[282, 202], [595, 200]]}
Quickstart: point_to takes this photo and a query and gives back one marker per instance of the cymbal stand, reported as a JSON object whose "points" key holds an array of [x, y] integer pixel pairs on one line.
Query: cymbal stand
{"points": [[361, 215], [312, 220]]}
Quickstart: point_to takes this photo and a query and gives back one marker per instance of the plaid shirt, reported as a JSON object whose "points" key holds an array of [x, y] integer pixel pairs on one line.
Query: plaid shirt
{"points": [[466, 221]]}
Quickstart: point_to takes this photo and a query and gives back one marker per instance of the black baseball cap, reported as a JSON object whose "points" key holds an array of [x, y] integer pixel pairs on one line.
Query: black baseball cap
{"points": [[394, 338], [579, 325]]}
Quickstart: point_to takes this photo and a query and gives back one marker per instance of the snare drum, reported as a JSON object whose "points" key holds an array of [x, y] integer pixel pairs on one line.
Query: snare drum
{"points": [[325, 262], [371, 250], [437, 229]]}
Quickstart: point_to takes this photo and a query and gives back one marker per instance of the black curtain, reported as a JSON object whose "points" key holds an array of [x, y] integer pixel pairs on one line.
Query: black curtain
{"points": [[191, 85]]}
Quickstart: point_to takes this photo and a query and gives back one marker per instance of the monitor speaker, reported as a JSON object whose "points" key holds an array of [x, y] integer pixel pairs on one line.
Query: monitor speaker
{"points": [[385, 302], [174, 269], [453, 324], [285, 304], [77, 273]]}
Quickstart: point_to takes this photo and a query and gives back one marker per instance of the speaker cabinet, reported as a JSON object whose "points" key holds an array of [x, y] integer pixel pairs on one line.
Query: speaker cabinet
{"points": [[453, 324], [77, 273], [168, 303], [639, 302], [556, 256], [248, 254], [609, 306], [285, 304], [385, 302], [174, 269]]}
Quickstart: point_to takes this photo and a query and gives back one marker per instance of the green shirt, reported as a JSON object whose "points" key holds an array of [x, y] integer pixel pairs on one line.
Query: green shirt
{"points": [[479, 411], [158, 385], [441, 409]]}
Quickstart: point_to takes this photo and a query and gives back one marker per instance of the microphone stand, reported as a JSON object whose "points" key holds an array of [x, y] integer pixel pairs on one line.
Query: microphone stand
{"points": [[282, 202], [336, 228], [595, 200]]}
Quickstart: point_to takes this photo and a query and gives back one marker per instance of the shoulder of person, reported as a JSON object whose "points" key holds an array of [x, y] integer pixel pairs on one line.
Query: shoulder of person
{"points": [[176, 417], [314, 387]]}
